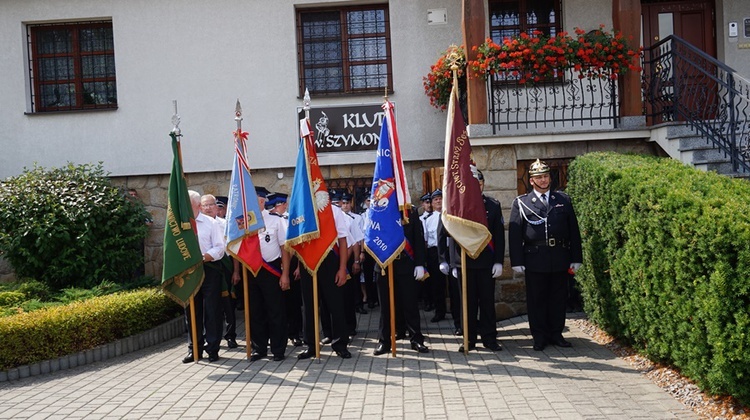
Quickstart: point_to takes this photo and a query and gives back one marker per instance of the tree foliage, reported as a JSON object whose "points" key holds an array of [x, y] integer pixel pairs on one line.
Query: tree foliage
{"points": [[70, 226]]}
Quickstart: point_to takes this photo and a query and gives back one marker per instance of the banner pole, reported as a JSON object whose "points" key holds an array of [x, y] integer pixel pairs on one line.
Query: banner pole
{"points": [[316, 316], [194, 329], [392, 309], [464, 301], [246, 297]]}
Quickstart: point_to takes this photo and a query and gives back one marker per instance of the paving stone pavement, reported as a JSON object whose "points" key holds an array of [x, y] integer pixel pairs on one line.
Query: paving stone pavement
{"points": [[586, 381]]}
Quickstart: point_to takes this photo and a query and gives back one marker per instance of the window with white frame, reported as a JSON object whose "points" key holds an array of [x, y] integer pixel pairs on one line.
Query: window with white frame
{"points": [[344, 50], [72, 66]]}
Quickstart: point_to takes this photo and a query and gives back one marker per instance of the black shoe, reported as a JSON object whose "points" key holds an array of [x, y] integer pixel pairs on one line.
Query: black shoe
{"points": [[400, 336], [352, 333], [296, 342], [437, 318], [212, 357], [190, 359], [360, 310], [538, 346], [492, 345], [257, 356], [306, 354], [325, 340], [231, 343], [278, 358], [472, 346], [561, 342], [458, 332], [382, 348], [429, 307], [344, 353], [371, 304], [420, 347]]}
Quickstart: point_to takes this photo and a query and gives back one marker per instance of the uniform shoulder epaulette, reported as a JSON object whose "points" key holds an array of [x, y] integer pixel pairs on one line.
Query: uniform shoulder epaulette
{"points": [[562, 194], [520, 196]]}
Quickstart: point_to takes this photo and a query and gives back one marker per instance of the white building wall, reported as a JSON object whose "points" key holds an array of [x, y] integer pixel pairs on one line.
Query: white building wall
{"points": [[206, 55]]}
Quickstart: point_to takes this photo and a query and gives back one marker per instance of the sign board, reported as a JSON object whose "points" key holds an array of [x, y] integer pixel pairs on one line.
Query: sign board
{"points": [[347, 128]]}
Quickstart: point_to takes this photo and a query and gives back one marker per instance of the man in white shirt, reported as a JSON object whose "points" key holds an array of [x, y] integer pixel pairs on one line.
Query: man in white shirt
{"points": [[332, 278], [208, 299], [436, 283], [210, 207], [267, 313]]}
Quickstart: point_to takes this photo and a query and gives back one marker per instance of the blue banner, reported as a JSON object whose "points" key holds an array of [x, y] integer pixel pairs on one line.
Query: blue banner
{"points": [[243, 212], [384, 235]]}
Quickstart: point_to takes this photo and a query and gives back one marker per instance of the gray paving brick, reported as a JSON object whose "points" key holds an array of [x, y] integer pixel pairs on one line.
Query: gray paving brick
{"points": [[585, 381]]}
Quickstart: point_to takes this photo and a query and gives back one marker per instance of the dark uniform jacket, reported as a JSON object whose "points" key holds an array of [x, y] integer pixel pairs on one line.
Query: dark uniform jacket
{"points": [[541, 248], [414, 234], [494, 253]]}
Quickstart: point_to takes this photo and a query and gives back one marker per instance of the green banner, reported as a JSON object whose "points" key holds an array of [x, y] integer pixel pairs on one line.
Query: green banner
{"points": [[183, 262]]}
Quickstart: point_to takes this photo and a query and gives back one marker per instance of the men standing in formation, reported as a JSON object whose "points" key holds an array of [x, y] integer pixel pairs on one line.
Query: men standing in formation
{"points": [[332, 277], [265, 289], [436, 282], [545, 243], [481, 273], [408, 270], [208, 299]]}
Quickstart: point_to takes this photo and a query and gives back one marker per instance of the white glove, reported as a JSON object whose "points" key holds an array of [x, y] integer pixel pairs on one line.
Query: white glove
{"points": [[519, 268], [444, 267], [454, 272], [497, 270], [574, 267], [418, 272]]}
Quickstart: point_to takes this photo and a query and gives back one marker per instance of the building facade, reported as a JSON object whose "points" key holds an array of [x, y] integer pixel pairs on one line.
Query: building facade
{"points": [[95, 80]]}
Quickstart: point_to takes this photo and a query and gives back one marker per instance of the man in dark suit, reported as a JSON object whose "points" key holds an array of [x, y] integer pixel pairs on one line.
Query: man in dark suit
{"points": [[545, 243], [408, 270], [480, 274]]}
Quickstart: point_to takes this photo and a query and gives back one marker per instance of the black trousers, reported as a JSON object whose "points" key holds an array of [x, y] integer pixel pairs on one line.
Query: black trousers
{"points": [[331, 300], [545, 301], [436, 281], [368, 268], [227, 305], [293, 305], [208, 311], [267, 313], [352, 297], [454, 290], [406, 294], [480, 300]]}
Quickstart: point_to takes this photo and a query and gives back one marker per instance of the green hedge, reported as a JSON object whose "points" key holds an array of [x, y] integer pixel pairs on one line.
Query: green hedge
{"points": [[667, 263], [53, 332]]}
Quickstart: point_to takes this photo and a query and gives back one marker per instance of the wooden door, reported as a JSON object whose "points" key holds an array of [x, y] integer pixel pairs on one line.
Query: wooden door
{"points": [[692, 20]]}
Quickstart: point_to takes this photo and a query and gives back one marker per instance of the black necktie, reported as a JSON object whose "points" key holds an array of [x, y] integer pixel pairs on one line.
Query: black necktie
{"points": [[544, 200]]}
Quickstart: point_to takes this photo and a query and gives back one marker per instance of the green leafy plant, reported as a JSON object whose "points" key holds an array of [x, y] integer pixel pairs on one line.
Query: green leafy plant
{"points": [[70, 226], [666, 263]]}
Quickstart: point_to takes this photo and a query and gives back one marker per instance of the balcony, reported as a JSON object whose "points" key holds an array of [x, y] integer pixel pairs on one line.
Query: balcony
{"points": [[567, 102]]}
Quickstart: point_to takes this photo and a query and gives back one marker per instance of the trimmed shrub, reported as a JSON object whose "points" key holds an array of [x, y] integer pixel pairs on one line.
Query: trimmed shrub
{"points": [[70, 227], [57, 331], [667, 263]]}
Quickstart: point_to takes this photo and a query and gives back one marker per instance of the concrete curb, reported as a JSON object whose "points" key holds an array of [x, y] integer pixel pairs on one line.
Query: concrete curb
{"points": [[157, 335]]}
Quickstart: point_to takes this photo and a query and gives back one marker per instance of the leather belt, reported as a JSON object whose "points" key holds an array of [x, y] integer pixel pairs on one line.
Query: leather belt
{"points": [[551, 242]]}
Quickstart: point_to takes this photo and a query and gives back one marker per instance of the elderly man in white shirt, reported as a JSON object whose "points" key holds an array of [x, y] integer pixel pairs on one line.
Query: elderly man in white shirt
{"points": [[208, 299]]}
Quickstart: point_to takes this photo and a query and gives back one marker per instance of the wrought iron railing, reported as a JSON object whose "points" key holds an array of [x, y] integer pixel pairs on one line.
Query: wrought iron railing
{"points": [[563, 101], [682, 83]]}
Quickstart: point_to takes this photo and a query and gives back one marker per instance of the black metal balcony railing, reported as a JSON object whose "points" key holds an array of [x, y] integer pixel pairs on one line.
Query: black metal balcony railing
{"points": [[566, 101], [682, 83]]}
